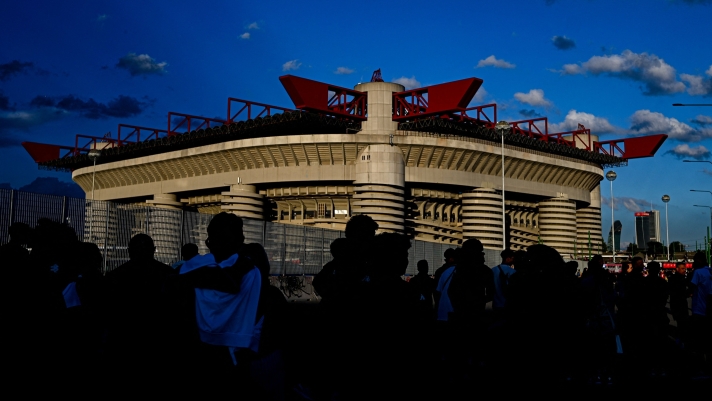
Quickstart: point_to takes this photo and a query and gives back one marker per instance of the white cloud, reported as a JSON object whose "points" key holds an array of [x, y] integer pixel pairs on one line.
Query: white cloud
{"points": [[343, 71], [535, 97], [684, 150], [24, 120], [646, 122], [631, 204], [245, 35], [659, 77], [253, 26], [597, 125], [702, 120], [480, 95], [699, 85], [291, 65], [409, 83], [492, 61], [141, 64], [102, 18]]}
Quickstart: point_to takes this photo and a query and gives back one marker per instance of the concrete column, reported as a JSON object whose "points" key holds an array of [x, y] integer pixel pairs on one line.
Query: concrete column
{"points": [[163, 224], [165, 201], [379, 186], [588, 219], [557, 224], [482, 217], [244, 201], [380, 106]]}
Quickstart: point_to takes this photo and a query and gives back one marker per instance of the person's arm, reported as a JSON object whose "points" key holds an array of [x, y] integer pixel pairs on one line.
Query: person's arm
{"points": [[489, 286]]}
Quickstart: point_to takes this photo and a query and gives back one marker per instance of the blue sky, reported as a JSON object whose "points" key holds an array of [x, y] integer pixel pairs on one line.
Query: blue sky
{"points": [[614, 66]]}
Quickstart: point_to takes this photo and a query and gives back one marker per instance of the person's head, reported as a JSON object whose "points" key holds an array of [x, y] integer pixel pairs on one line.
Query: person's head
{"points": [[89, 259], [637, 265], [472, 252], [257, 254], [626, 267], [699, 260], [595, 263], [390, 254], [680, 268], [520, 257], [544, 258], [423, 266], [224, 235], [653, 268], [189, 251], [507, 257], [339, 248], [141, 248], [361, 228], [449, 255]]}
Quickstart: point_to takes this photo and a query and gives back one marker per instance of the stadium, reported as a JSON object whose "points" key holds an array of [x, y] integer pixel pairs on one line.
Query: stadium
{"points": [[421, 162]]}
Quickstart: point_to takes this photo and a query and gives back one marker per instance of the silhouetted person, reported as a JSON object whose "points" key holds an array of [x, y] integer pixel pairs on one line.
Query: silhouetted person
{"points": [[701, 319], [326, 282], [679, 293], [15, 254], [501, 274], [449, 262], [227, 298], [188, 252], [424, 285], [599, 345], [138, 306]]}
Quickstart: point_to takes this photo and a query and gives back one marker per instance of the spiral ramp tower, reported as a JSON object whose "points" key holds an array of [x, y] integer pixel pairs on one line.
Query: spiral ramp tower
{"points": [[588, 225], [482, 216], [557, 224]]}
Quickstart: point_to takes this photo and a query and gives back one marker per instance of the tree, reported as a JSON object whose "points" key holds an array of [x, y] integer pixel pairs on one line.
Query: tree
{"points": [[604, 246], [632, 248], [655, 248], [676, 246]]}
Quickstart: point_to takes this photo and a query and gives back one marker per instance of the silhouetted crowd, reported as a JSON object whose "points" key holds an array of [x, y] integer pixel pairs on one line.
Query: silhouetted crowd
{"points": [[213, 323]]}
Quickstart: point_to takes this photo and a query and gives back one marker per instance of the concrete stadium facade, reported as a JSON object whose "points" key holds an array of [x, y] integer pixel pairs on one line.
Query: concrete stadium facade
{"points": [[438, 188]]}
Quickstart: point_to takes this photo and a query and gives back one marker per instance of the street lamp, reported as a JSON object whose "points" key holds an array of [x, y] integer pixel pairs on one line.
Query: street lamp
{"points": [[502, 127], [93, 154], [710, 212], [692, 104], [611, 176], [666, 199], [697, 161]]}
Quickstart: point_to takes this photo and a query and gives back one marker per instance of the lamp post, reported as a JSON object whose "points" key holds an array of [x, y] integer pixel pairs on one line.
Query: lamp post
{"points": [[709, 192], [93, 154], [665, 200], [698, 161], [502, 127], [710, 212], [691, 104], [611, 176]]}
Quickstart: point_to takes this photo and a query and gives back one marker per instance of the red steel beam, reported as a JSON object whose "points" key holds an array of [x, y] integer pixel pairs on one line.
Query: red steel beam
{"points": [[631, 148], [248, 106], [136, 130], [315, 96], [44, 152], [443, 100], [187, 119]]}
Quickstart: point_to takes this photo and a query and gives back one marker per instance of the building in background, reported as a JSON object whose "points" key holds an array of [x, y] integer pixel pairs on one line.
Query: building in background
{"points": [[419, 162], [617, 229], [647, 228]]}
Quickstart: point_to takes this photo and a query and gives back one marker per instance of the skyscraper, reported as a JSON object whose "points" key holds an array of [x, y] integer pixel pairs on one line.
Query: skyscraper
{"points": [[647, 228], [617, 228]]}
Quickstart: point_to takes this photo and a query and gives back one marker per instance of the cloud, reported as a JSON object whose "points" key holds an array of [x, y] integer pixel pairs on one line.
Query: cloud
{"points": [[631, 204], [480, 95], [102, 18], [24, 120], [684, 150], [5, 103], [245, 35], [408, 83], [492, 61], [535, 97], [53, 186], [8, 70], [699, 85], [702, 120], [141, 64], [291, 65], [708, 172], [645, 122], [563, 43], [597, 125], [122, 106], [343, 71], [253, 26], [529, 113], [659, 77]]}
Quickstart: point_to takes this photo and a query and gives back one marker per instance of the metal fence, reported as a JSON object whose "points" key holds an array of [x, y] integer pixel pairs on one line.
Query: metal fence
{"points": [[291, 249]]}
